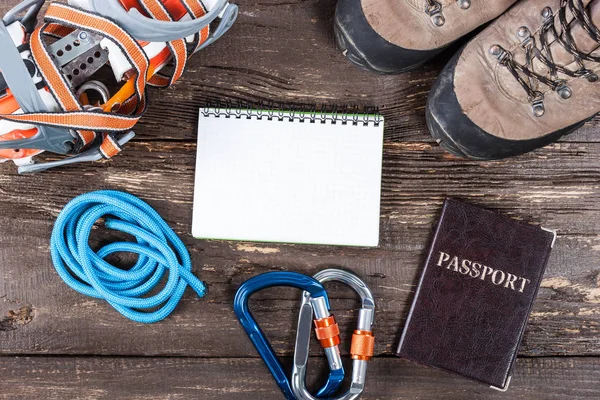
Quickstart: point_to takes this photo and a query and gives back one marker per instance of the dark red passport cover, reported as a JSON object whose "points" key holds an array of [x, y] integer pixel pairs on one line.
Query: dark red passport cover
{"points": [[481, 277]]}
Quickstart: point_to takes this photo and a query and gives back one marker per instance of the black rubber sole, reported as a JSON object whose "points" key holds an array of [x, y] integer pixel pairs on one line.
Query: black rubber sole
{"points": [[441, 137], [446, 142], [348, 50], [352, 54], [366, 49]]}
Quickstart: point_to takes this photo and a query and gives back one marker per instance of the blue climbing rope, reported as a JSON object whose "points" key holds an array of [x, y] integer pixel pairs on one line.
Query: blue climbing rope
{"points": [[159, 249]]}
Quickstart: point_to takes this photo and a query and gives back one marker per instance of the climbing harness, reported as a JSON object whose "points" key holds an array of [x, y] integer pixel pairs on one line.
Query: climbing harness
{"points": [[54, 90], [362, 341], [320, 301], [159, 249]]}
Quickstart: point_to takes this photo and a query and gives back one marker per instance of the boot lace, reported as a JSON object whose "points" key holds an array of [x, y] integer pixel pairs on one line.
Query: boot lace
{"points": [[433, 8], [531, 80]]}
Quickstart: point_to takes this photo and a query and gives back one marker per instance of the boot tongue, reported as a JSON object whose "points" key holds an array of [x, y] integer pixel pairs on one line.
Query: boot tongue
{"points": [[582, 40]]}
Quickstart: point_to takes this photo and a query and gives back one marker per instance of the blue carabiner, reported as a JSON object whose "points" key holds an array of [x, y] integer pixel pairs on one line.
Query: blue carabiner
{"points": [[257, 336]]}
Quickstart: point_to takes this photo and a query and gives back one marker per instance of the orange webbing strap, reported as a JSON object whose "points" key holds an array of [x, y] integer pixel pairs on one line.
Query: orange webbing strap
{"points": [[58, 31], [197, 9], [363, 345], [56, 82], [178, 47], [128, 106], [79, 120], [110, 147], [328, 331], [86, 123]]}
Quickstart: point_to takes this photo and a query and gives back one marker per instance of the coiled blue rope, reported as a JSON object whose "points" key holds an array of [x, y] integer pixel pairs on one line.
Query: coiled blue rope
{"points": [[159, 249]]}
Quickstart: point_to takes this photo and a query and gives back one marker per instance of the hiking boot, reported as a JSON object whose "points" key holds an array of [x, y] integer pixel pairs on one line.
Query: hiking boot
{"points": [[394, 36], [525, 81]]}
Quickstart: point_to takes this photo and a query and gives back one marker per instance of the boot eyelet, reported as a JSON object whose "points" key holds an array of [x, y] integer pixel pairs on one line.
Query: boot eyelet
{"points": [[538, 109], [537, 104], [592, 77], [564, 91], [438, 20], [524, 32], [525, 35], [435, 13], [498, 52], [547, 13], [464, 4]]}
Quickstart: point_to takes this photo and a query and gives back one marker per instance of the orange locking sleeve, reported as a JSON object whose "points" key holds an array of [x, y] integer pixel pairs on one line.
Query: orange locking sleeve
{"points": [[328, 332], [363, 345]]}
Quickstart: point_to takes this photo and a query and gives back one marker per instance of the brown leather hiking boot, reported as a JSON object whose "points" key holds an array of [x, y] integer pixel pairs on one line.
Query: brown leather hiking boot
{"points": [[393, 36], [525, 81]]}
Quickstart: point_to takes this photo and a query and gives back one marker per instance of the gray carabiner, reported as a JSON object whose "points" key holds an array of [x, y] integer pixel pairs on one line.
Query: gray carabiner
{"points": [[228, 18], [362, 340]]}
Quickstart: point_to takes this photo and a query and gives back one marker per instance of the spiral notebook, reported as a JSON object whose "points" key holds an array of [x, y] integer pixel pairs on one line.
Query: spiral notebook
{"points": [[288, 177]]}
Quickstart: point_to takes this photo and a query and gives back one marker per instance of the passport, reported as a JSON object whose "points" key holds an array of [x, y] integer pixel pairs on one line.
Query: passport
{"points": [[480, 280]]}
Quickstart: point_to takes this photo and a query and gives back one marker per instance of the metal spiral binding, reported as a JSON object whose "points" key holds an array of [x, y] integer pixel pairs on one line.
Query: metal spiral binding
{"points": [[347, 116]]}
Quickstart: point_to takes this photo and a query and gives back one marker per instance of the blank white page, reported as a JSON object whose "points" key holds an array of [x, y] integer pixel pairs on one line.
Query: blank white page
{"points": [[290, 182]]}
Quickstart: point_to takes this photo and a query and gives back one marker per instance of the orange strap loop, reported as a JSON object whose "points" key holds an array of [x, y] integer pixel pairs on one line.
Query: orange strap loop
{"points": [[363, 345], [196, 8], [178, 47], [110, 147], [328, 331]]}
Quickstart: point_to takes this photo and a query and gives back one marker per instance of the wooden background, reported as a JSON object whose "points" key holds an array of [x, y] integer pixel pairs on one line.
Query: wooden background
{"points": [[57, 344]]}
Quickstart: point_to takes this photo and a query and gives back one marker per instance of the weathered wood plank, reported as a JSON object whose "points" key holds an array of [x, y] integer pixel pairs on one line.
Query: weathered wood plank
{"points": [[284, 52], [175, 378], [566, 318], [416, 178]]}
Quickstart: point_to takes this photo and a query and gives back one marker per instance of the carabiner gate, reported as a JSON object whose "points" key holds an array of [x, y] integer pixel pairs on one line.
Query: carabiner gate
{"points": [[321, 304], [363, 340]]}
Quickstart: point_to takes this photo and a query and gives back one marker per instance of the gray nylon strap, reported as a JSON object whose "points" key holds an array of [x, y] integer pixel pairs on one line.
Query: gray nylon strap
{"points": [[17, 76], [151, 30], [229, 17], [32, 6], [26, 94]]}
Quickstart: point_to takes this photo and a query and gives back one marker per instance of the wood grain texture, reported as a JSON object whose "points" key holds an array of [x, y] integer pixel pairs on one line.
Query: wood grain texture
{"points": [[241, 379], [566, 318], [284, 53]]}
